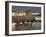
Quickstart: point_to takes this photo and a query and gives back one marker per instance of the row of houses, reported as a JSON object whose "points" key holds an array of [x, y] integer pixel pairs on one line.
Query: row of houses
{"points": [[37, 16]]}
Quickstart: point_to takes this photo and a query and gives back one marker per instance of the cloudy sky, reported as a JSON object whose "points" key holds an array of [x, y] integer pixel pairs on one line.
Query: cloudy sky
{"points": [[20, 8]]}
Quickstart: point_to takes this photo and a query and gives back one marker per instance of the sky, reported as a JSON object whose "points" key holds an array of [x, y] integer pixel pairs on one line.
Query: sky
{"points": [[20, 8]]}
